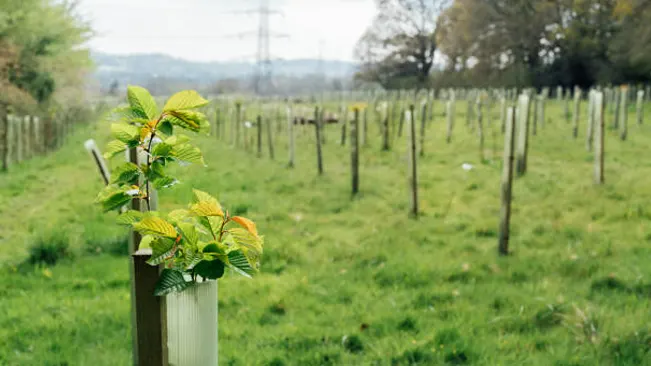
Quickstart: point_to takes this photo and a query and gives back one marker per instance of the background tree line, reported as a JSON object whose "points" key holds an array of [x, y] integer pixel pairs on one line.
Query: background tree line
{"points": [[42, 60], [507, 43]]}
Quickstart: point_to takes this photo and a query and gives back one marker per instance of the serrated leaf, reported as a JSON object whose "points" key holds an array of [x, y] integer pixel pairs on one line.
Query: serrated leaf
{"points": [[170, 281], [130, 217], [206, 208], [126, 173], [141, 102], [246, 223], [211, 270], [211, 223], [155, 226], [178, 216], [162, 150], [164, 182], [238, 261], [113, 197], [192, 258], [214, 248], [187, 153], [162, 248], [176, 140], [198, 196], [190, 120], [244, 239], [166, 128], [126, 114], [146, 241], [113, 148], [189, 233], [187, 99], [125, 133]]}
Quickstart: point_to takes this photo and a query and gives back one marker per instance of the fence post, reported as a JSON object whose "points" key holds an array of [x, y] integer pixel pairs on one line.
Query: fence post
{"points": [[385, 130], [575, 117], [18, 138], [640, 107], [480, 128], [290, 136], [413, 176], [522, 114], [5, 138], [507, 181], [591, 122], [270, 138], [599, 138], [344, 123], [317, 129], [449, 110], [354, 151], [623, 110]]}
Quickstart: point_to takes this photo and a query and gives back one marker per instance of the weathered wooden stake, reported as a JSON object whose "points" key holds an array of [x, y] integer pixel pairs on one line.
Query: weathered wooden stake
{"points": [[5, 138], [522, 115], [503, 114], [413, 163], [540, 110], [27, 149], [290, 137], [623, 110], [18, 138], [354, 151], [258, 125], [270, 138], [599, 137], [615, 101], [534, 122], [423, 122], [507, 181], [575, 117], [344, 124], [449, 110], [148, 312], [639, 112], [104, 172], [385, 129], [317, 129], [590, 127], [480, 129]]}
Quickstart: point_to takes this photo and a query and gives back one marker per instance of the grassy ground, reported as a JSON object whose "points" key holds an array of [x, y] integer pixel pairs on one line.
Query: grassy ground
{"points": [[356, 281]]}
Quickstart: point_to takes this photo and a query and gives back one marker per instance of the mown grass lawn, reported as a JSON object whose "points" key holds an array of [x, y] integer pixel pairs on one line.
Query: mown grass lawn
{"points": [[356, 281]]}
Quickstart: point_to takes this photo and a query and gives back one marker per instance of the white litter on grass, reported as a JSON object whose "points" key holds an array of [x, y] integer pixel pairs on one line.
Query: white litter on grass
{"points": [[248, 124], [467, 167]]}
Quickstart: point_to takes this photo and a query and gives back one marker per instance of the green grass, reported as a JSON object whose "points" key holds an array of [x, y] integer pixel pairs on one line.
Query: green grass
{"points": [[357, 281]]}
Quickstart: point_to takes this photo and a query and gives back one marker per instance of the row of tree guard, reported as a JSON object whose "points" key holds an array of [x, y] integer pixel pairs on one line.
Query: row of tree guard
{"points": [[25, 137]]}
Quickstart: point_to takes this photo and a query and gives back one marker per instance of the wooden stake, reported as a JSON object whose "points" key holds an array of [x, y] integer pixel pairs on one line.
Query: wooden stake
{"points": [[534, 124], [5, 138], [640, 107], [270, 139], [413, 181], [290, 137], [575, 117], [385, 129], [104, 172], [522, 115], [259, 130], [365, 127], [599, 137], [423, 122], [354, 151], [344, 124], [590, 124], [317, 129], [623, 109], [18, 138], [503, 114], [449, 110], [507, 181]]}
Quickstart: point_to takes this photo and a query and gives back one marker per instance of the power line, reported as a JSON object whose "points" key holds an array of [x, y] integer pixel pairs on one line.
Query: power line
{"points": [[262, 80]]}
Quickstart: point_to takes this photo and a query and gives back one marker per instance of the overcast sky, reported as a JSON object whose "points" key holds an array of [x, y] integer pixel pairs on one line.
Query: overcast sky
{"points": [[199, 29]]}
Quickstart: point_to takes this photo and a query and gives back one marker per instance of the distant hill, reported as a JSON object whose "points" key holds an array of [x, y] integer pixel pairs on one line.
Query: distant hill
{"points": [[143, 68]]}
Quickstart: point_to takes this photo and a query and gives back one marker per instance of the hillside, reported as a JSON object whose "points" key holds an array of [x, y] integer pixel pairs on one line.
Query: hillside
{"points": [[145, 68]]}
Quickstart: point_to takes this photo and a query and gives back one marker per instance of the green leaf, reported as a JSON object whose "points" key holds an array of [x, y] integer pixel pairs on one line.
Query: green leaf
{"points": [[113, 148], [187, 99], [130, 217], [125, 133], [206, 208], [162, 248], [127, 114], [188, 153], [245, 239], [162, 150], [176, 140], [211, 270], [238, 261], [189, 233], [190, 120], [141, 102], [178, 216], [165, 127], [170, 281], [192, 258], [213, 247], [146, 241], [155, 226], [211, 223], [199, 196], [164, 182], [126, 173], [113, 197]]}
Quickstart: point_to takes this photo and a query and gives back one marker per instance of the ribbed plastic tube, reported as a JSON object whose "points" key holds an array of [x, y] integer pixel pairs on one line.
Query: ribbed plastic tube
{"points": [[192, 326]]}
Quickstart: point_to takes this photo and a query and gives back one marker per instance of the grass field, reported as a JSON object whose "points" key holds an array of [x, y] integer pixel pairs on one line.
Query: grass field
{"points": [[357, 281]]}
